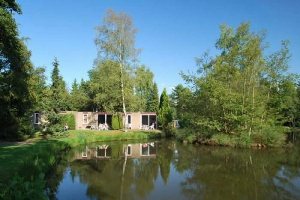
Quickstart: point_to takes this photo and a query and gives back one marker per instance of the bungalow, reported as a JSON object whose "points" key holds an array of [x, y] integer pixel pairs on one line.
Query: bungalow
{"points": [[91, 120]]}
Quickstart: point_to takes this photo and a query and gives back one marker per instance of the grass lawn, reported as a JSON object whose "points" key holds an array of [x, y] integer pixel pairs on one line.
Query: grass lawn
{"points": [[39, 154]]}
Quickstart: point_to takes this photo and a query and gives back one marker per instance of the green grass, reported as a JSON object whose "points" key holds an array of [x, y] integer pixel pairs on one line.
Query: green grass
{"points": [[40, 156]]}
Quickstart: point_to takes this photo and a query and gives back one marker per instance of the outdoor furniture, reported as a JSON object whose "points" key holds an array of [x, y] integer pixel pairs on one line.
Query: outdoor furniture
{"points": [[101, 127], [106, 126], [151, 127], [144, 127]]}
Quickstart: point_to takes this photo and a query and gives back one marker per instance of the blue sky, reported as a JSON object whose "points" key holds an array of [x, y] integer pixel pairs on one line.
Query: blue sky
{"points": [[171, 33]]}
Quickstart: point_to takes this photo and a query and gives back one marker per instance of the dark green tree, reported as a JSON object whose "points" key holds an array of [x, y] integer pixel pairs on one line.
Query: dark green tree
{"points": [[165, 112], [59, 98], [15, 66], [79, 96], [143, 87], [104, 89], [153, 102]]}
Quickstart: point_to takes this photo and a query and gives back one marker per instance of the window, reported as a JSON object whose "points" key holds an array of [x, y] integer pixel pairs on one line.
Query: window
{"points": [[148, 149], [129, 150], [36, 119], [85, 118], [129, 119], [84, 153]]}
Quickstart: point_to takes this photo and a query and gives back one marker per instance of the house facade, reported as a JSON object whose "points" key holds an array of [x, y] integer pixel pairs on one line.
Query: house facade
{"points": [[92, 120]]}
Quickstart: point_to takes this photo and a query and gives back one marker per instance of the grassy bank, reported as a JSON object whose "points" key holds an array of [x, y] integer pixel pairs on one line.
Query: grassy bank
{"points": [[30, 160]]}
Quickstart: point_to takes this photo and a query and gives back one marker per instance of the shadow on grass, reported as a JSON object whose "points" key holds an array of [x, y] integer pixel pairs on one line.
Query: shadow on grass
{"points": [[30, 160]]}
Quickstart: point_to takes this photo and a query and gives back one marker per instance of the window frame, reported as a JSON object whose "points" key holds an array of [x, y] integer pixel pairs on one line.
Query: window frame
{"points": [[87, 118], [36, 117]]}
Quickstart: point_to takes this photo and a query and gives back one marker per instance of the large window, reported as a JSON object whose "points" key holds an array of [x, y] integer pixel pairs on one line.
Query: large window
{"points": [[36, 119], [85, 119]]}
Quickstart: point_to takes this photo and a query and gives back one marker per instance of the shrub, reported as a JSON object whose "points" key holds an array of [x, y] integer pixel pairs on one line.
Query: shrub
{"points": [[223, 139], [19, 188], [169, 130], [270, 136], [117, 122], [69, 119], [184, 123]]}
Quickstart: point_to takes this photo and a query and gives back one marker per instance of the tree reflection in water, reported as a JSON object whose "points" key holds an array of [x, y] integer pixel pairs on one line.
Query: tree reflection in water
{"points": [[144, 170]]}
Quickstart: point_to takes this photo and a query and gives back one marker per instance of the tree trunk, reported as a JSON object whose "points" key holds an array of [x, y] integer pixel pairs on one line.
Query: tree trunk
{"points": [[123, 97]]}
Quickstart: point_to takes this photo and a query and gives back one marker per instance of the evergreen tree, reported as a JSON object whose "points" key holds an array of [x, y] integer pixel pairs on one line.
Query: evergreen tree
{"points": [[79, 98], [165, 112], [59, 99], [153, 102], [143, 87]]}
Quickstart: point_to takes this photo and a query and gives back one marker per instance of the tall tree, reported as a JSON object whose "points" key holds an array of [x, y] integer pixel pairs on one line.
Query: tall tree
{"points": [[15, 67], [153, 101], [165, 112], [59, 99], [79, 97], [39, 89], [143, 87], [180, 99], [242, 90], [116, 41], [104, 87]]}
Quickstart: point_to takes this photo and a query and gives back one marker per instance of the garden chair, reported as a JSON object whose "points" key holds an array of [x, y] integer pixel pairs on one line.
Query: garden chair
{"points": [[101, 127]]}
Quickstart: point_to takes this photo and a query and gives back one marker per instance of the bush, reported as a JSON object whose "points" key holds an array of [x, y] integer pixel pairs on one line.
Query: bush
{"points": [[270, 136], [69, 119], [117, 122], [169, 130], [223, 139], [184, 123], [18, 188]]}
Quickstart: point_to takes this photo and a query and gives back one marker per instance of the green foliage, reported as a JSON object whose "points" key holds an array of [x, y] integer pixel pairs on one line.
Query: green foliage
{"points": [[169, 130], [165, 112], [68, 119], [60, 97], [271, 136], [153, 102], [239, 92], [223, 139], [19, 188], [144, 88], [117, 44], [79, 96], [180, 102], [103, 87], [117, 122], [15, 72]]}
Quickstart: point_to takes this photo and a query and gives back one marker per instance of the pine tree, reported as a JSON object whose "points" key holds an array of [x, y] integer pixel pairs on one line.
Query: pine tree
{"points": [[153, 102], [165, 112]]}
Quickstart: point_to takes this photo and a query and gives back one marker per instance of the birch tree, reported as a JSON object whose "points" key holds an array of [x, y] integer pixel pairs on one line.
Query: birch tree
{"points": [[115, 41]]}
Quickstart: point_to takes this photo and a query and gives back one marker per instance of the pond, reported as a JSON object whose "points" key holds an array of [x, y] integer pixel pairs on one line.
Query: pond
{"points": [[167, 169]]}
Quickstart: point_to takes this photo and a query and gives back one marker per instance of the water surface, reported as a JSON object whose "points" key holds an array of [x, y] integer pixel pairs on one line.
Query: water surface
{"points": [[166, 169]]}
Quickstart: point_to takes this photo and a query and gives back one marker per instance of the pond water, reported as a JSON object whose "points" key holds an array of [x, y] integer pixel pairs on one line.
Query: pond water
{"points": [[166, 169]]}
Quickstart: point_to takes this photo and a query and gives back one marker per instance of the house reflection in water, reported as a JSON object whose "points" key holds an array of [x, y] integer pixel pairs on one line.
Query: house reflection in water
{"points": [[139, 150]]}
